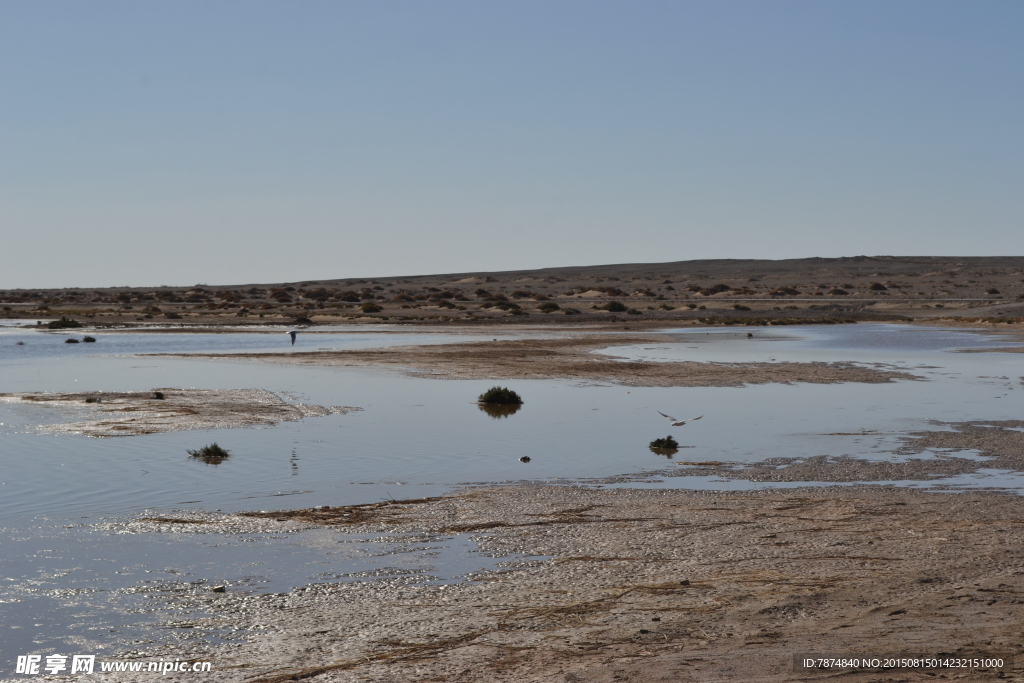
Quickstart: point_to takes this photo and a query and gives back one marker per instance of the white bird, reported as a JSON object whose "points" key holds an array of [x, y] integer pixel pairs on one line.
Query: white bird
{"points": [[675, 422], [292, 334]]}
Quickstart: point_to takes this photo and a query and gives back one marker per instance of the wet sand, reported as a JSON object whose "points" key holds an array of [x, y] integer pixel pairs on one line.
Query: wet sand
{"points": [[648, 585], [573, 359], [132, 413]]}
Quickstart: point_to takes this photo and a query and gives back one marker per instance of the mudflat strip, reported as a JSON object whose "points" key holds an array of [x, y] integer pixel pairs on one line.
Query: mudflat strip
{"points": [[131, 413], [573, 359], [650, 585]]}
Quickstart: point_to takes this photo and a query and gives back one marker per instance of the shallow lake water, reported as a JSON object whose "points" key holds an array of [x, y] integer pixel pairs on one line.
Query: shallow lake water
{"points": [[66, 580]]}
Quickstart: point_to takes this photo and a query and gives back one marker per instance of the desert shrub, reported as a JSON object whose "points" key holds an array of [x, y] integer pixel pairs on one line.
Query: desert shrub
{"points": [[371, 308], [572, 311], [522, 294], [503, 305], [548, 307], [302, 320], [992, 290], [877, 287], [172, 315], [667, 446], [838, 292], [784, 291], [70, 340], [740, 307], [500, 396], [717, 289], [63, 323], [666, 307], [483, 293], [89, 340], [211, 455], [158, 395], [615, 307], [635, 311]]}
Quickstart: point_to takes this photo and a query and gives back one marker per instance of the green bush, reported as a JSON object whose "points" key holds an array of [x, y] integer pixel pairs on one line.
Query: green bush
{"points": [[667, 442], [371, 308], [615, 307], [500, 396], [211, 455]]}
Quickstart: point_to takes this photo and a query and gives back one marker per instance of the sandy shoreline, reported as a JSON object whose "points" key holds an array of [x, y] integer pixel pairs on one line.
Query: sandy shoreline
{"points": [[572, 359], [644, 585]]}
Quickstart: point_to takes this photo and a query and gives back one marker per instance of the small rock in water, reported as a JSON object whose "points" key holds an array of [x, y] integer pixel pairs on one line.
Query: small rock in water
{"points": [[525, 458], [220, 589]]}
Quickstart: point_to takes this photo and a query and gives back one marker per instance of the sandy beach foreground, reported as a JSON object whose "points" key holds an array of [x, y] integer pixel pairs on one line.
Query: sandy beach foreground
{"points": [[647, 585]]}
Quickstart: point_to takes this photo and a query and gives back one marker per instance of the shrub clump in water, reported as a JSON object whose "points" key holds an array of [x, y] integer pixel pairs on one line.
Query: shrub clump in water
{"points": [[63, 323], [70, 340], [211, 455], [667, 442], [500, 396], [89, 340]]}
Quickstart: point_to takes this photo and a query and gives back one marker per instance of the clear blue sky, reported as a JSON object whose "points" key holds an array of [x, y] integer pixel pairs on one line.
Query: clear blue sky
{"points": [[148, 143]]}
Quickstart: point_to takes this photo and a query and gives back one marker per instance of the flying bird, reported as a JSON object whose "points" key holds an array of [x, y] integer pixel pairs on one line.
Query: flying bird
{"points": [[292, 333], [675, 422]]}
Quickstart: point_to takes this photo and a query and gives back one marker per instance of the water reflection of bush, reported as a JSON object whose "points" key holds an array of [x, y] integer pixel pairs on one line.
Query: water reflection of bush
{"points": [[667, 452], [498, 411]]}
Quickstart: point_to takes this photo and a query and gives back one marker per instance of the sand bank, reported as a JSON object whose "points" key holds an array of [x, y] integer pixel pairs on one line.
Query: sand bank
{"points": [[505, 359], [131, 413]]}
